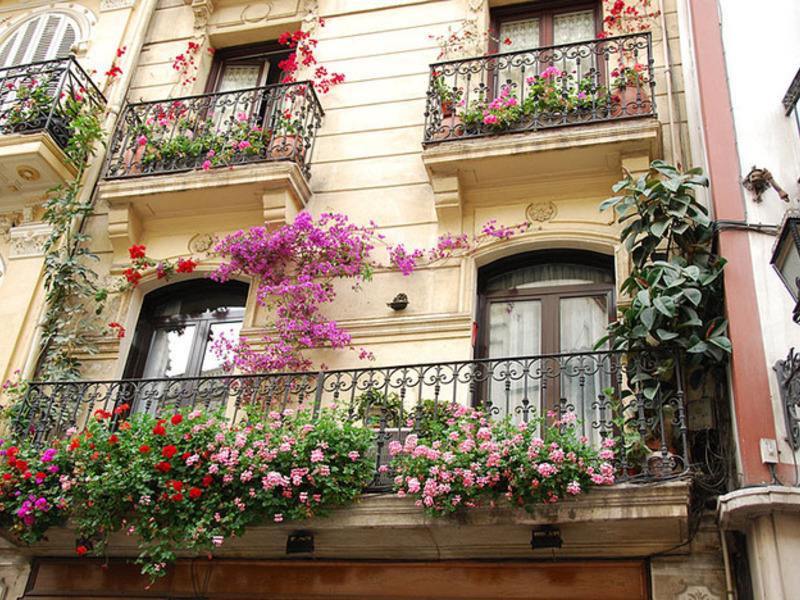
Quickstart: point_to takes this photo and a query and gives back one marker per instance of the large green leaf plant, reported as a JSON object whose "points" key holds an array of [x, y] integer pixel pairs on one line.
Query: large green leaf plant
{"points": [[675, 284]]}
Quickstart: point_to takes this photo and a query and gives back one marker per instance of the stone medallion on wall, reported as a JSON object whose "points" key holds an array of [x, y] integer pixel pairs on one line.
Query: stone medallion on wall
{"points": [[540, 212]]}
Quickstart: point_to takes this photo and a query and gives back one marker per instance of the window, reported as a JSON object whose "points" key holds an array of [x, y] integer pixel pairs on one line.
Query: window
{"points": [[178, 326], [46, 37], [246, 67], [546, 24], [540, 304]]}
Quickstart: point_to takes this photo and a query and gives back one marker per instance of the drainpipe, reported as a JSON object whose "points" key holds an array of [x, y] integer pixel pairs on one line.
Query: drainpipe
{"points": [[144, 10], [670, 98]]}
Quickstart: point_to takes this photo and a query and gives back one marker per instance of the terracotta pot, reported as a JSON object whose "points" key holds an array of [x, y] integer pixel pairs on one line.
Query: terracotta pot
{"points": [[630, 101], [451, 126], [132, 159], [286, 146]]}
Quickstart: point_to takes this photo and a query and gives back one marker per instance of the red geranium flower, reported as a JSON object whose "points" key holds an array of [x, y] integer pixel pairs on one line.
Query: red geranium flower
{"points": [[164, 467], [177, 485], [169, 451], [137, 251], [207, 480], [159, 430], [185, 266], [113, 439], [176, 419], [144, 449], [177, 497], [195, 492], [81, 550]]}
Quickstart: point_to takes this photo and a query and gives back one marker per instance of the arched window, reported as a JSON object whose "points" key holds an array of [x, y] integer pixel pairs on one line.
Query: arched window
{"points": [[45, 37], [544, 303], [178, 326]]}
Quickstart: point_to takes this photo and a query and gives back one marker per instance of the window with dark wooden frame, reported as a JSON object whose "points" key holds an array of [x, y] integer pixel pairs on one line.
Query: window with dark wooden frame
{"points": [[540, 24], [178, 325], [539, 304], [245, 67]]}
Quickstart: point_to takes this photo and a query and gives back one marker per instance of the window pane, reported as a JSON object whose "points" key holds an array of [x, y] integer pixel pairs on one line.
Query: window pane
{"points": [[545, 275], [170, 352], [523, 34], [515, 329], [582, 321], [212, 362], [573, 27], [239, 77]]}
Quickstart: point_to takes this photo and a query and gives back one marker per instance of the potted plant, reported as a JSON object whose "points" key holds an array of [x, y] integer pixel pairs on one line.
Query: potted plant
{"points": [[500, 114], [287, 140], [628, 90], [555, 94]]}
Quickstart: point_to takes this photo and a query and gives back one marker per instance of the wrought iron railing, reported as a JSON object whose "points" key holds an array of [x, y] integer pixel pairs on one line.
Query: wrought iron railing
{"points": [[597, 80], [600, 388], [270, 123], [788, 371], [45, 96]]}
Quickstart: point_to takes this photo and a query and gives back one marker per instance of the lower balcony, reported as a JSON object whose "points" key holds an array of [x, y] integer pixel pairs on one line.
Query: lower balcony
{"points": [[603, 390], [493, 550]]}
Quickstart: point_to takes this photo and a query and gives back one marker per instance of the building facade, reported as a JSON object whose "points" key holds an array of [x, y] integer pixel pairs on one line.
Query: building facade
{"points": [[423, 138]]}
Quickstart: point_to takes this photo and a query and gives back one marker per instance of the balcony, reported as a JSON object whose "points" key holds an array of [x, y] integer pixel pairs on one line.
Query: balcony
{"points": [[38, 102], [398, 400], [550, 117], [265, 124], [177, 159], [395, 401], [590, 82]]}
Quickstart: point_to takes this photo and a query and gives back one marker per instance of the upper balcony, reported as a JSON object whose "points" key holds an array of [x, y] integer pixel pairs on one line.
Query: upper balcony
{"points": [[579, 109], [257, 142], [531, 90], [38, 103]]}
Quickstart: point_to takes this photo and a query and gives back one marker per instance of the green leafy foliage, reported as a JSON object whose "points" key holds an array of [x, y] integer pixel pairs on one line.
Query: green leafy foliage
{"points": [[675, 285]]}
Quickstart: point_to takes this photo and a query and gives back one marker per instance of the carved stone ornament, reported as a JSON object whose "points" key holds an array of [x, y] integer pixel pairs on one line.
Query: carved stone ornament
{"points": [[697, 592], [203, 9], [106, 5], [6, 223], [255, 12], [201, 242], [540, 211], [29, 240]]}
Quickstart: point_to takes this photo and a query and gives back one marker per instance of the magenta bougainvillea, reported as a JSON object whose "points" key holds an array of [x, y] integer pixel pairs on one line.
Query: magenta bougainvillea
{"points": [[295, 268]]}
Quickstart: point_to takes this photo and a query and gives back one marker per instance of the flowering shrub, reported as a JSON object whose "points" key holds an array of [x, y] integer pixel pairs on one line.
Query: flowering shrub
{"points": [[627, 16], [34, 486], [465, 39], [185, 482], [296, 266], [625, 76], [165, 269], [174, 136], [304, 45], [471, 458]]}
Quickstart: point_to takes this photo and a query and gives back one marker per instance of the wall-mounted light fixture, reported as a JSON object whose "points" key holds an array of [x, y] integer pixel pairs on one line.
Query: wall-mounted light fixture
{"points": [[399, 303], [758, 180], [300, 542], [786, 257], [546, 536]]}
